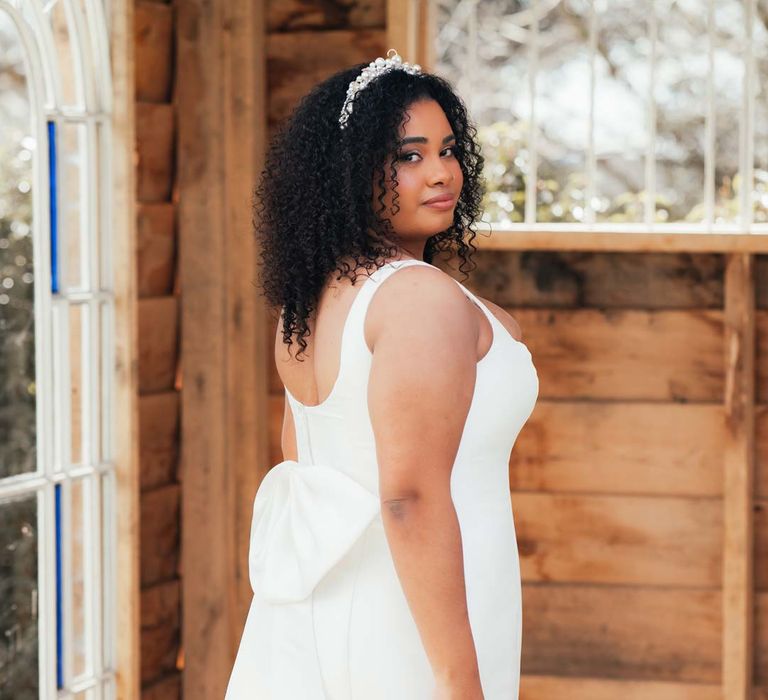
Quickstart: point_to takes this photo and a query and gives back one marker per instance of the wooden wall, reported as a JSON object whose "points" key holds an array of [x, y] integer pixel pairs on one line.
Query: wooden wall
{"points": [[618, 477], [158, 350], [617, 480]]}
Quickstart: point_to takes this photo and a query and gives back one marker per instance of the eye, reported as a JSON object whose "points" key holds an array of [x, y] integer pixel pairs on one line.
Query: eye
{"points": [[405, 156]]}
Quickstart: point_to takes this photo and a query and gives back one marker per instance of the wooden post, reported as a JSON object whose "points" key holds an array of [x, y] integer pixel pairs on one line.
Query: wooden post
{"points": [[221, 127], [403, 28], [738, 485], [126, 375]]}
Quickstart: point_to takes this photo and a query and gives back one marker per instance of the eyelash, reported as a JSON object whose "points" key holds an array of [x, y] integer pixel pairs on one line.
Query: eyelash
{"points": [[405, 156]]}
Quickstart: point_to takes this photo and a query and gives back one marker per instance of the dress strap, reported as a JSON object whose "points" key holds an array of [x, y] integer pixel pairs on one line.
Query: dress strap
{"points": [[361, 303]]}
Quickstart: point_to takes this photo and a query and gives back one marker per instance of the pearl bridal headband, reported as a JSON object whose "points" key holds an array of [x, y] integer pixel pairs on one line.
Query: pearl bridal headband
{"points": [[375, 69]]}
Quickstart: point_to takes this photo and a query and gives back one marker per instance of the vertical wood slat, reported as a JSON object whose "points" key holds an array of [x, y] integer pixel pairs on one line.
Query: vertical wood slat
{"points": [[221, 126], [739, 477], [126, 377], [403, 28]]}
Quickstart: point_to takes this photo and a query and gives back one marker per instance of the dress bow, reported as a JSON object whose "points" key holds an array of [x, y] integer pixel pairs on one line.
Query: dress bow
{"points": [[306, 517]]}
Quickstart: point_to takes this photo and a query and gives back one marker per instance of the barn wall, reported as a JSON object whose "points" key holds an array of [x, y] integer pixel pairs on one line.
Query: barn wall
{"points": [[158, 350], [617, 483]]}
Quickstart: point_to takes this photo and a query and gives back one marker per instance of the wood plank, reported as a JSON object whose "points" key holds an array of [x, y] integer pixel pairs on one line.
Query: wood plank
{"points": [[159, 438], [761, 281], [559, 687], [153, 37], [760, 525], [155, 147], [619, 355], [276, 409], [640, 240], [297, 61], [761, 451], [221, 106], [160, 526], [125, 397], [167, 688], [761, 640], [156, 250], [297, 15], [660, 541], [158, 343], [573, 279], [160, 630], [600, 447], [738, 466], [627, 354], [761, 359], [404, 30], [622, 632]]}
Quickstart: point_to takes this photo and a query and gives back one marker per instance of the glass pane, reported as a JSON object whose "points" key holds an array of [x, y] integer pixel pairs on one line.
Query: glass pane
{"points": [[490, 69], [68, 61], [562, 112], [19, 598], [17, 322], [77, 329], [760, 48], [729, 90], [682, 67], [73, 205], [81, 531], [621, 103], [108, 563], [104, 354]]}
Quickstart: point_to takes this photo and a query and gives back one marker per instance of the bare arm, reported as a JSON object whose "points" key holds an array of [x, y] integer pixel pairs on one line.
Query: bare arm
{"points": [[420, 389]]}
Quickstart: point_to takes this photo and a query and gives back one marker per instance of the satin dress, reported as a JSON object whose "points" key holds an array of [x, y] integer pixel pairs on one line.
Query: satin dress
{"points": [[329, 619]]}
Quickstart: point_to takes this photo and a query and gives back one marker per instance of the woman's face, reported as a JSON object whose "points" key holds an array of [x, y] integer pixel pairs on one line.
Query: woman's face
{"points": [[427, 167]]}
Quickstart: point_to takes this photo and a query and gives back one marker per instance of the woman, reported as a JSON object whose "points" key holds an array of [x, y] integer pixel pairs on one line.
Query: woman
{"points": [[383, 556]]}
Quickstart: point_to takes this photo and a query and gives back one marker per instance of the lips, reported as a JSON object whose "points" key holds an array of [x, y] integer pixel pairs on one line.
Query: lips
{"points": [[440, 198]]}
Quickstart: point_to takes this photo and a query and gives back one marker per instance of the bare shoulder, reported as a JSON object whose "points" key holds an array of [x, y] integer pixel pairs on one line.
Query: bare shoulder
{"points": [[418, 299], [505, 318]]}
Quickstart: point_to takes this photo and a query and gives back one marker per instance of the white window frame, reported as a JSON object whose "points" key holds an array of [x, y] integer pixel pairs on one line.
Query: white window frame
{"points": [[98, 468], [407, 12]]}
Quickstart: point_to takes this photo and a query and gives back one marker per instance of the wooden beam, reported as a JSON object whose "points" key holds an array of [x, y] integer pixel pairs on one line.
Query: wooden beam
{"points": [[126, 375], [739, 465], [220, 85], [534, 687], [403, 28], [621, 241]]}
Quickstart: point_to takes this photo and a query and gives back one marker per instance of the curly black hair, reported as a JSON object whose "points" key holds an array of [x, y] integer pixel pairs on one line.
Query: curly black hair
{"points": [[313, 203]]}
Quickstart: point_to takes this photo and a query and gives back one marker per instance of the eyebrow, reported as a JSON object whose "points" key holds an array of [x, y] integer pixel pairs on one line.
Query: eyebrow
{"points": [[423, 139]]}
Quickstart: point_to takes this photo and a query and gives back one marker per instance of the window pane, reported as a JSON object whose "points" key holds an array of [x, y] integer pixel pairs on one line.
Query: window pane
{"points": [[17, 321], [562, 112], [682, 66], [77, 330], [73, 205], [622, 63], [729, 90], [68, 61], [760, 49], [18, 598], [81, 532]]}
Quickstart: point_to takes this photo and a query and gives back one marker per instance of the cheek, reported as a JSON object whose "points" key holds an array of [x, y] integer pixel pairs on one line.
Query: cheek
{"points": [[409, 188]]}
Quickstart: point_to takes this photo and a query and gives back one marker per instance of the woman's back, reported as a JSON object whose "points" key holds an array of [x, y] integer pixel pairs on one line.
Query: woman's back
{"points": [[329, 618]]}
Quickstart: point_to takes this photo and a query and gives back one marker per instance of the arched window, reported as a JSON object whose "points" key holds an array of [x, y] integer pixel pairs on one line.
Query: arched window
{"points": [[616, 115], [57, 480]]}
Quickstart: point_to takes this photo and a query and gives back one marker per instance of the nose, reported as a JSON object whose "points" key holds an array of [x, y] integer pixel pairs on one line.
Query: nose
{"points": [[440, 174]]}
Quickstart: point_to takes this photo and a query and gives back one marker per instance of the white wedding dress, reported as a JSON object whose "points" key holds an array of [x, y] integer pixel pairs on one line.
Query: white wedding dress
{"points": [[329, 619]]}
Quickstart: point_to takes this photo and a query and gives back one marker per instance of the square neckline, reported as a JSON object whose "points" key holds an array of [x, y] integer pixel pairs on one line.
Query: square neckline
{"points": [[344, 332]]}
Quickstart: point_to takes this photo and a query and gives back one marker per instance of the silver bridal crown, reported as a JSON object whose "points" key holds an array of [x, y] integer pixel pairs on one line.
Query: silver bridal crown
{"points": [[375, 69]]}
